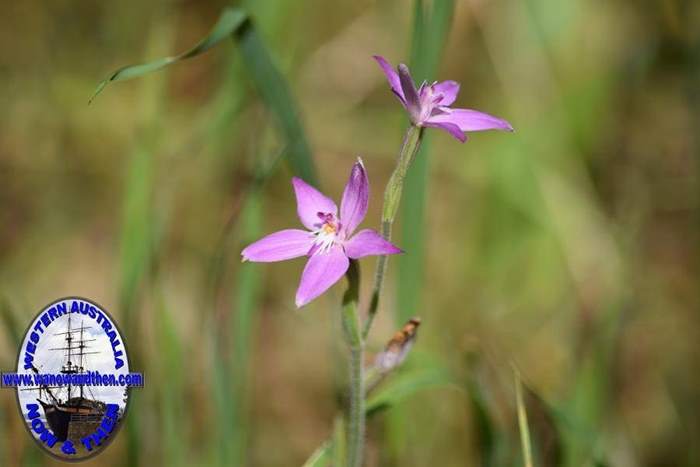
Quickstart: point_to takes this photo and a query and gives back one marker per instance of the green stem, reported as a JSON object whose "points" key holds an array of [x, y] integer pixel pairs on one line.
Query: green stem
{"points": [[392, 199], [353, 336]]}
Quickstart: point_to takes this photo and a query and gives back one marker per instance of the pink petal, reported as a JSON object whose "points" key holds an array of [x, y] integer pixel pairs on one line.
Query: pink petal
{"points": [[369, 242], [310, 202], [391, 76], [278, 246], [449, 91], [451, 128], [321, 272], [353, 206], [470, 120], [410, 93]]}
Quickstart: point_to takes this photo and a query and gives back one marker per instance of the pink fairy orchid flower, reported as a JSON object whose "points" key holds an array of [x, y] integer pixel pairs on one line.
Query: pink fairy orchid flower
{"points": [[329, 242], [429, 105]]}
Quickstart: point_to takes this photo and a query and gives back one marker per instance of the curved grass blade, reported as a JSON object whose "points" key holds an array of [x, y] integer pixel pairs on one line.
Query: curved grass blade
{"points": [[266, 77], [230, 20]]}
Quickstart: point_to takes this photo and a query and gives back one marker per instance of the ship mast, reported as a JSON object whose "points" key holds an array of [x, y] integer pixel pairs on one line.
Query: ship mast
{"points": [[82, 346], [70, 368]]}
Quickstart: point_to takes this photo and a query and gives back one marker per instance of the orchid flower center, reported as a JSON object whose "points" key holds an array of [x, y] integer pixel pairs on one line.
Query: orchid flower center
{"points": [[326, 234], [429, 99]]}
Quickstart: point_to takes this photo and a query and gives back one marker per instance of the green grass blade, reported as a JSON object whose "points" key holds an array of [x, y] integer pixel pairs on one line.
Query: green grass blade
{"points": [[321, 456], [430, 29], [405, 384], [10, 324], [522, 421], [135, 258], [14, 329], [171, 395], [274, 91], [138, 236], [222, 448], [339, 447], [229, 21], [232, 351], [243, 328], [487, 433]]}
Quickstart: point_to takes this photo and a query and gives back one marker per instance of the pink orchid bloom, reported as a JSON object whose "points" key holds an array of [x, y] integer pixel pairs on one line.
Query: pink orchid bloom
{"points": [[429, 105], [329, 242]]}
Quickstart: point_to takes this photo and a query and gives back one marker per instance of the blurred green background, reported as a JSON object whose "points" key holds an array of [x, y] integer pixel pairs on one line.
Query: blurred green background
{"points": [[568, 249]]}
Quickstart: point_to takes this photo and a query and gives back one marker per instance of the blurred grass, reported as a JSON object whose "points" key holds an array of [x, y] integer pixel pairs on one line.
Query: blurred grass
{"points": [[233, 361], [231, 388], [172, 399], [569, 247]]}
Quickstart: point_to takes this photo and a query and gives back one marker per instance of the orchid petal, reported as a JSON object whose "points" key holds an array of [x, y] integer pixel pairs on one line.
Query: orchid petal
{"points": [[470, 120], [278, 246], [311, 202], [391, 76], [451, 128], [369, 242], [353, 206], [409, 92], [449, 91], [321, 272]]}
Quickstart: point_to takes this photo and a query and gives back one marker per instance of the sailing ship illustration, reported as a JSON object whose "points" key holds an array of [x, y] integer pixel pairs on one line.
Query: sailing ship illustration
{"points": [[71, 411]]}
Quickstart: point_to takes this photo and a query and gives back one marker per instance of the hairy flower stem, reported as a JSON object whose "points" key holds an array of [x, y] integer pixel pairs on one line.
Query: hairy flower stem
{"points": [[352, 331], [392, 199]]}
